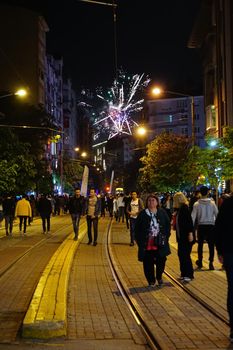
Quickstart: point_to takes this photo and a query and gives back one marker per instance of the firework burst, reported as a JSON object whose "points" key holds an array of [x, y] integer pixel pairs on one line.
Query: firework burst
{"points": [[121, 105]]}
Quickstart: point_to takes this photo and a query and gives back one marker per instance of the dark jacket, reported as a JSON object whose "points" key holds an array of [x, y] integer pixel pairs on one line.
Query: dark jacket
{"points": [[184, 222], [76, 205], [223, 229], [142, 230], [8, 205], [44, 207]]}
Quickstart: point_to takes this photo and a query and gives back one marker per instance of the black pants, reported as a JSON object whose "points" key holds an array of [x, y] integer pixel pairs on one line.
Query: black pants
{"points": [[46, 222], [152, 258], [205, 232], [9, 220], [121, 214], [186, 266], [90, 222], [23, 221], [127, 219]]}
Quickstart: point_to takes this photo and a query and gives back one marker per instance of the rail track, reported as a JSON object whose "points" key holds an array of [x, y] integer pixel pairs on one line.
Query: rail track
{"points": [[153, 341]]}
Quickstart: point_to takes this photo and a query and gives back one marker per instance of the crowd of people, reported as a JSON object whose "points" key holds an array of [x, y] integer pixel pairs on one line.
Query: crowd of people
{"points": [[197, 219]]}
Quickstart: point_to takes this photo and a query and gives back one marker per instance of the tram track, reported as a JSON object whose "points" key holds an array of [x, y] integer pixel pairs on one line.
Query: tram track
{"points": [[44, 240], [150, 338], [195, 297], [154, 342]]}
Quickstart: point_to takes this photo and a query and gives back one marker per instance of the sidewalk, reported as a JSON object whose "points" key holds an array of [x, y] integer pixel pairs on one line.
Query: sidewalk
{"points": [[98, 318]]}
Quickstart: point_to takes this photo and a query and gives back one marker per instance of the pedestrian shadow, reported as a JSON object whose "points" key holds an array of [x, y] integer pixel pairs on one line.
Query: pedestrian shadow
{"points": [[146, 289]]}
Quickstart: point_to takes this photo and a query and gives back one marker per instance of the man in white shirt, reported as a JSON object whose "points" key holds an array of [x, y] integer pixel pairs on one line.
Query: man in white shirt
{"points": [[134, 208]]}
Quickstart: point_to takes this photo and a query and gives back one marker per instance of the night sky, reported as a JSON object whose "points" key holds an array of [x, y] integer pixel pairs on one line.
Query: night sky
{"points": [[151, 38]]}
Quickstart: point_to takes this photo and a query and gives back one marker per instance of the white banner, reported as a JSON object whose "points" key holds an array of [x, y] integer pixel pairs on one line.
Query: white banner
{"points": [[85, 181], [111, 182]]}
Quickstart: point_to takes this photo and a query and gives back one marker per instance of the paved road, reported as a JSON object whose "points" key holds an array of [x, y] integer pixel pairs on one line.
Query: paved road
{"points": [[98, 317]]}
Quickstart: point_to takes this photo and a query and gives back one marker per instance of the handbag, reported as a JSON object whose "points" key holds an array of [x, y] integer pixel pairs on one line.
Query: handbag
{"points": [[160, 240]]}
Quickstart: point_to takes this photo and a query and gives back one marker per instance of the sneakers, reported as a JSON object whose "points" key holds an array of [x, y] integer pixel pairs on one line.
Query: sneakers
{"points": [[152, 284], [94, 244], [199, 264], [187, 279], [160, 282], [89, 242], [211, 266], [75, 238]]}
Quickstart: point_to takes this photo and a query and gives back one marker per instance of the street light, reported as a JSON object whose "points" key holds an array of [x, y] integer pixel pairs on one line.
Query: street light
{"points": [[141, 131], [156, 91], [20, 93]]}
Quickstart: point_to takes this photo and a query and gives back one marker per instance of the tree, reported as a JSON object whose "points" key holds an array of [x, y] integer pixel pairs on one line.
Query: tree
{"points": [[72, 174], [8, 175], [166, 164], [17, 168], [216, 161], [33, 126]]}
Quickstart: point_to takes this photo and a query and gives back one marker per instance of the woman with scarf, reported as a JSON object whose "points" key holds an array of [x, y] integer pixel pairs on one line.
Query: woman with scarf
{"points": [[152, 223]]}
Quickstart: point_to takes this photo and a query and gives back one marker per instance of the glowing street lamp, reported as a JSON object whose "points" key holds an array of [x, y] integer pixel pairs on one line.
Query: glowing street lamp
{"points": [[141, 131], [84, 154], [20, 93]]}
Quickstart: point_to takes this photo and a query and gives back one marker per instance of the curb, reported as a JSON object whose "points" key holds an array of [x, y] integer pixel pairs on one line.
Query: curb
{"points": [[47, 313]]}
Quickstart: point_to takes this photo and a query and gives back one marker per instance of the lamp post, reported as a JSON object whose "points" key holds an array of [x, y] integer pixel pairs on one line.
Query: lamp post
{"points": [[157, 91]]}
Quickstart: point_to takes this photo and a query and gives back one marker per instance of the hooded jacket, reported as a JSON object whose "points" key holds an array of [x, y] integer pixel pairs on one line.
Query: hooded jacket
{"points": [[204, 212]]}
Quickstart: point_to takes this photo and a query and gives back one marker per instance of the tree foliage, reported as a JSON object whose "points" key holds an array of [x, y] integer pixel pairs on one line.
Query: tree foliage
{"points": [[171, 163], [30, 128], [166, 163], [17, 168], [72, 174]]}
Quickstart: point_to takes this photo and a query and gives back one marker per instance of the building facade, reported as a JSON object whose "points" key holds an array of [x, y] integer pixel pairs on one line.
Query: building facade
{"points": [[23, 52], [213, 36], [174, 115]]}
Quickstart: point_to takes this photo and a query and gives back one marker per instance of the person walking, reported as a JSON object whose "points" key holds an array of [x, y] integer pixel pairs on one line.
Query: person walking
{"points": [[204, 215], [8, 205], [150, 222], [223, 238], [184, 235], [45, 211], [195, 196], [121, 207], [115, 208], [167, 204], [110, 204], [23, 210], [127, 200], [93, 211], [76, 210], [133, 209]]}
